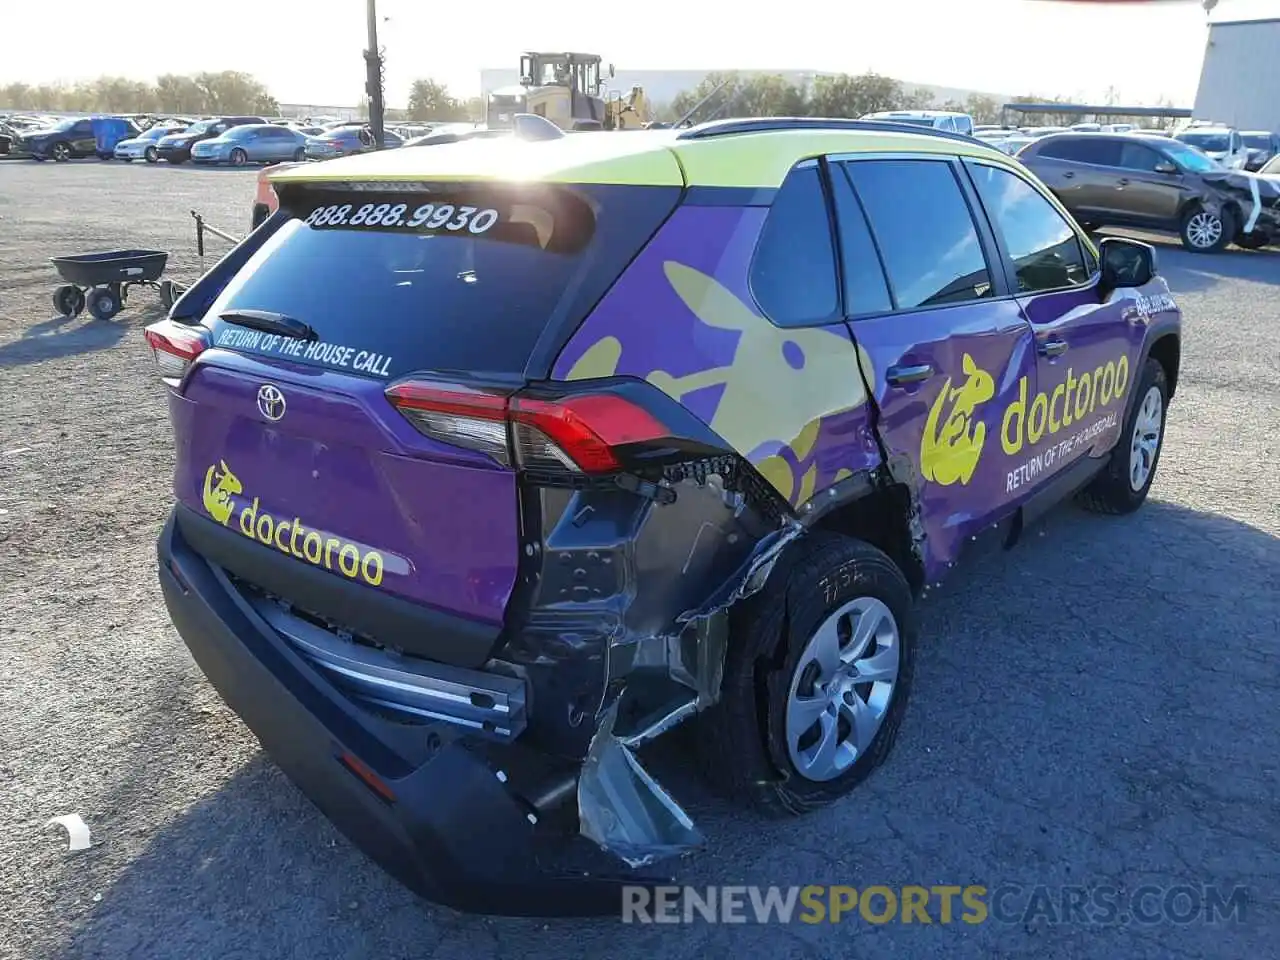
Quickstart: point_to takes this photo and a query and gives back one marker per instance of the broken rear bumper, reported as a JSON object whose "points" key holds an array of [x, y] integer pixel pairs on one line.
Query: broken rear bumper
{"points": [[456, 819]]}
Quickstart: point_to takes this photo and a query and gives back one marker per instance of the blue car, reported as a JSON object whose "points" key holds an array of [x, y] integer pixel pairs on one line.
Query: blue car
{"points": [[251, 143], [345, 140]]}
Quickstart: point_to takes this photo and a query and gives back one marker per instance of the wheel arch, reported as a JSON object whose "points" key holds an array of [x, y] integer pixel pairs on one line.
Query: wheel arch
{"points": [[885, 515], [1167, 351]]}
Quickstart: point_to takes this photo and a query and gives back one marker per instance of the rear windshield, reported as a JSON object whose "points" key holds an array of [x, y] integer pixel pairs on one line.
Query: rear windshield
{"points": [[1210, 142], [444, 278]]}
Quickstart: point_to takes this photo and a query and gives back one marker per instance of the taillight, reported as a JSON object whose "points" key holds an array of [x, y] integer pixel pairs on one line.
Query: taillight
{"points": [[579, 433], [174, 347]]}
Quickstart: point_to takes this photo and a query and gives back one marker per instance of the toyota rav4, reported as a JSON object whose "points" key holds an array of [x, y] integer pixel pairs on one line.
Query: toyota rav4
{"points": [[498, 460]]}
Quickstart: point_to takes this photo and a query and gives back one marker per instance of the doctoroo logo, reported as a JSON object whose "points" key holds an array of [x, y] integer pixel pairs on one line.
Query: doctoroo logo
{"points": [[293, 537], [952, 442], [1072, 400]]}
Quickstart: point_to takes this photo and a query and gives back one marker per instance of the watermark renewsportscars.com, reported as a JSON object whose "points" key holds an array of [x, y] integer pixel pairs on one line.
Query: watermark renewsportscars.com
{"points": [[1096, 905]]}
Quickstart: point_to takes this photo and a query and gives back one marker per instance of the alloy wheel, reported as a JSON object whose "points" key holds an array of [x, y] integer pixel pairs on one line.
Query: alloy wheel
{"points": [[1204, 229], [842, 687], [1146, 439]]}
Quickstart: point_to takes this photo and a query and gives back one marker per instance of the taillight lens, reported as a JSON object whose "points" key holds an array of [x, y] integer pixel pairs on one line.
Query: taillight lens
{"points": [[579, 433], [174, 347]]}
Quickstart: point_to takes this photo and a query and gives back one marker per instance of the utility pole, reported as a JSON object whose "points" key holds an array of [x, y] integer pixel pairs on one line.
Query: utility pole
{"points": [[373, 83]]}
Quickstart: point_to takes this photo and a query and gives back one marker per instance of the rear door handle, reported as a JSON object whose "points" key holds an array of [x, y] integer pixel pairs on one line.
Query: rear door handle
{"points": [[1052, 348], [1068, 175], [1122, 182], [901, 376]]}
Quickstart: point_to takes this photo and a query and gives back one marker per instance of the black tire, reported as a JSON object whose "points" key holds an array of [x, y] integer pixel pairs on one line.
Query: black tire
{"points": [[1111, 490], [150, 155], [104, 303], [64, 300], [1251, 241], [1223, 222], [61, 151], [238, 157], [168, 294], [299, 155], [742, 739]]}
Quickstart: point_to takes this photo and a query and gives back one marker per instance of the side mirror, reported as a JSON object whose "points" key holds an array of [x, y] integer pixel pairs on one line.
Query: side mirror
{"points": [[1126, 263], [1164, 166]]}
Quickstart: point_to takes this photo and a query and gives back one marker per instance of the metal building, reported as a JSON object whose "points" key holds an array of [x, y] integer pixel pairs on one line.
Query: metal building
{"points": [[1240, 79]]}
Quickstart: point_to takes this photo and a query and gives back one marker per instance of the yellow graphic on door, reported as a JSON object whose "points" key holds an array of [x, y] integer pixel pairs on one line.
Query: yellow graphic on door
{"points": [[217, 495], [952, 441]]}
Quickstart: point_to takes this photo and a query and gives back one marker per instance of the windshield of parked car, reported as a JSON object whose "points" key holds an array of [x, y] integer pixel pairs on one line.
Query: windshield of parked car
{"points": [[64, 125], [917, 121], [1257, 141], [201, 126], [155, 133], [1211, 142], [1190, 158]]}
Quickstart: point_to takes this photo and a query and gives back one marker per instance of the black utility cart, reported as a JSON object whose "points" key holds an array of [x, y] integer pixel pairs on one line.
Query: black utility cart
{"points": [[101, 281]]}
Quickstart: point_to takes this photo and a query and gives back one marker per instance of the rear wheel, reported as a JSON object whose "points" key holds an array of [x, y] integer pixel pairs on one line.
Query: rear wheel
{"points": [[816, 678], [61, 151], [239, 158], [68, 300], [1204, 231], [299, 155]]}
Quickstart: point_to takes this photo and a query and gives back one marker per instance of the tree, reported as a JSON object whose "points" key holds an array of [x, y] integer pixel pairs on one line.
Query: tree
{"points": [[228, 92], [982, 108], [843, 95], [429, 100]]}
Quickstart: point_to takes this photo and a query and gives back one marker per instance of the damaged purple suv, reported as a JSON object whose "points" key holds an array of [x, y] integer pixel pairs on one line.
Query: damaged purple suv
{"points": [[498, 460]]}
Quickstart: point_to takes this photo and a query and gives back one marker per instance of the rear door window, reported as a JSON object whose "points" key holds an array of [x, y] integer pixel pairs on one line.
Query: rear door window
{"points": [[1096, 150], [450, 278], [924, 231], [793, 275]]}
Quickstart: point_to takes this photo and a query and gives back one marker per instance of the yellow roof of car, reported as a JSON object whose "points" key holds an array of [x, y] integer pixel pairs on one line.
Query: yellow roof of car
{"points": [[759, 159]]}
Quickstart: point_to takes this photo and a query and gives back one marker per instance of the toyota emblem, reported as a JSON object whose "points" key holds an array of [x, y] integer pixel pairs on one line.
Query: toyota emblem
{"points": [[270, 401]]}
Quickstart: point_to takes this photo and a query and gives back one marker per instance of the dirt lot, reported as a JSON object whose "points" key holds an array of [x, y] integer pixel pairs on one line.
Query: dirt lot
{"points": [[1097, 707]]}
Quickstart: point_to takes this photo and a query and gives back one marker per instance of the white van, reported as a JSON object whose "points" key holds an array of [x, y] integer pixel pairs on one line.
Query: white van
{"points": [[938, 119]]}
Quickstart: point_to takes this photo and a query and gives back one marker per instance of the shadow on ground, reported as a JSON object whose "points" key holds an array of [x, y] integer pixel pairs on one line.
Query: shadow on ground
{"points": [[1064, 749], [61, 337]]}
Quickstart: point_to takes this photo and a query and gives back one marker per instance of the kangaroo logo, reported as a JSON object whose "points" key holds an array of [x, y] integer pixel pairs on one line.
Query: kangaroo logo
{"points": [[952, 442], [779, 382], [217, 495]]}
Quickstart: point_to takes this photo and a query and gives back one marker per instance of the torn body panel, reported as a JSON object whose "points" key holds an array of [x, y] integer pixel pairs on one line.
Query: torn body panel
{"points": [[626, 596]]}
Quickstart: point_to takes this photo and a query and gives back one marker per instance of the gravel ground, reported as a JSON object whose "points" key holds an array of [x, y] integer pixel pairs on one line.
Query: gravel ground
{"points": [[1096, 707]]}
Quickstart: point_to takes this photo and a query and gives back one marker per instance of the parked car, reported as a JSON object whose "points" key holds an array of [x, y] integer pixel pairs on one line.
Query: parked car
{"points": [[1223, 144], [343, 141], [453, 605], [1041, 131], [937, 119], [1012, 145], [143, 146], [1156, 184], [7, 135], [251, 143], [1262, 146], [1271, 168], [176, 148], [65, 140]]}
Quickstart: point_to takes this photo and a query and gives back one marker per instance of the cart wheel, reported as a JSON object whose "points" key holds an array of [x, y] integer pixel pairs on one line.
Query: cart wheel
{"points": [[168, 294], [63, 300], [104, 303], [77, 302]]}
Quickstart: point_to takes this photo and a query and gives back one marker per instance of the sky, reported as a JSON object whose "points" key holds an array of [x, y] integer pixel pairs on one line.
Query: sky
{"points": [[309, 51]]}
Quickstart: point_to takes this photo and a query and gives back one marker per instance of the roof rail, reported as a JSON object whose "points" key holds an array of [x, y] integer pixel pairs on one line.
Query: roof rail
{"points": [[728, 128]]}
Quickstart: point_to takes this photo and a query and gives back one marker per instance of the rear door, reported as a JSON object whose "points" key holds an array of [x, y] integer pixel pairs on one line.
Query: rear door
{"points": [[1151, 197], [1085, 349], [83, 139], [945, 349], [285, 431]]}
